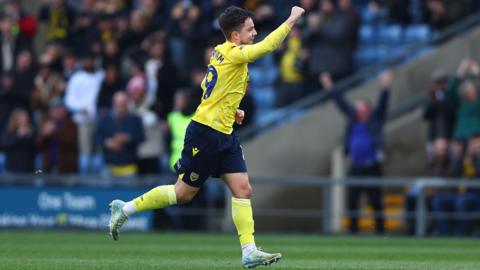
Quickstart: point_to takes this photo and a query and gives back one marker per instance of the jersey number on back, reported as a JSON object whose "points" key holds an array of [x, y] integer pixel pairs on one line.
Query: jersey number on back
{"points": [[210, 81]]}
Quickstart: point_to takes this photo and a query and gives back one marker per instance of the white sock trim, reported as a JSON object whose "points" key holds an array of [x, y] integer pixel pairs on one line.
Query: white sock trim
{"points": [[129, 208]]}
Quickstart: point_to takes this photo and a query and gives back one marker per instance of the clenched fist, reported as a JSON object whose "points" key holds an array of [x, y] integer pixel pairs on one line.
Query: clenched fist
{"points": [[296, 13]]}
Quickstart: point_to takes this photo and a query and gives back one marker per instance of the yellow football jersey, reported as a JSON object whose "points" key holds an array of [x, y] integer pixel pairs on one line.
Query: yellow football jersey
{"points": [[227, 77]]}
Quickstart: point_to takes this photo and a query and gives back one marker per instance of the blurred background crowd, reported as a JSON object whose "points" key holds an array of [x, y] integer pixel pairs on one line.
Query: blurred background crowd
{"points": [[109, 86], [115, 59]]}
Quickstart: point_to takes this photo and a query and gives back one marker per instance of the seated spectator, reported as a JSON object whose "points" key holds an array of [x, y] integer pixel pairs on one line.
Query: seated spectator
{"points": [[19, 143], [151, 149], [57, 140], [364, 143], [119, 134]]}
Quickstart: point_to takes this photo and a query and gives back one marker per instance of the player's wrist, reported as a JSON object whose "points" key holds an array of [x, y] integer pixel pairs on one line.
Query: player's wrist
{"points": [[290, 22]]}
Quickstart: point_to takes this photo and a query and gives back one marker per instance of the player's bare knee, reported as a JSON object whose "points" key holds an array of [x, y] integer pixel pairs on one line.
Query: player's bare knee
{"points": [[184, 197], [244, 191]]}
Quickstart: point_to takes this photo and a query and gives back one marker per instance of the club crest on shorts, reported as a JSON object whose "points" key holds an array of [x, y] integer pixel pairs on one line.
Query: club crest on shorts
{"points": [[195, 151], [194, 176]]}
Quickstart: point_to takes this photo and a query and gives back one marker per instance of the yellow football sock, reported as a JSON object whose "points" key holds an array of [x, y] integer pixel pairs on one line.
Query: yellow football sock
{"points": [[243, 218], [156, 198]]}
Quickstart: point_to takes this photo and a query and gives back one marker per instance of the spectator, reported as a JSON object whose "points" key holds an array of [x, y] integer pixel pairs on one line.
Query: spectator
{"points": [[156, 11], [154, 63], [69, 65], [10, 43], [27, 23], [442, 13], [152, 148], [291, 65], [463, 92], [57, 141], [19, 143], [167, 82], [248, 106], [136, 33], [111, 54], [52, 55], [119, 134], [440, 165], [8, 99], [364, 142], [23, 75], [59, 18], [48, 85], [110, 85], [328, 38], [346, 7], [184, 29], [462, 201], [178, 121], [80, 99], [439, 111]]}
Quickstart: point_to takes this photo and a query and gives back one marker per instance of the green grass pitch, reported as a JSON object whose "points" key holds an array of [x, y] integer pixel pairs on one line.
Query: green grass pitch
{"points": [[91, 250]]}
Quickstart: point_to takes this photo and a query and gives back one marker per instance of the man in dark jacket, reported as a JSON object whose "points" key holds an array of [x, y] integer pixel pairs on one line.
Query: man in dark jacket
{"points": [[330, 36], [364, 143], [119, 133]]}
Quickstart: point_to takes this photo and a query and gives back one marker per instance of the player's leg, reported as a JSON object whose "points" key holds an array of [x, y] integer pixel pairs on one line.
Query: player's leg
{"points": [[157, 198], [193, 168], [242, 215]]}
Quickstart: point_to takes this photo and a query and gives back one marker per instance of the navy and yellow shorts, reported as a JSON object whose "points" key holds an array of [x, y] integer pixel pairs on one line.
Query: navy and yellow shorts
{"points": [[207, 152]]}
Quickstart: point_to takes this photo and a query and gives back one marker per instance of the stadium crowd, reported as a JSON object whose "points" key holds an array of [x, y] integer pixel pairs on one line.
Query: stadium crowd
{"points": [[453, 116], [116, 81]]}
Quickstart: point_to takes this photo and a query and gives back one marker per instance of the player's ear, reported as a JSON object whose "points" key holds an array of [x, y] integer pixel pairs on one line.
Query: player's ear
{"points": [[235, 35]]}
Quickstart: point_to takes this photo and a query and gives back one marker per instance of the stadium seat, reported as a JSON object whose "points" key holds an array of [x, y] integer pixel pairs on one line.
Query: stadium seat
{"points": [[366, 55], [2, 162], [367, 35], [417, 33], [390, 34], [264, 98]]}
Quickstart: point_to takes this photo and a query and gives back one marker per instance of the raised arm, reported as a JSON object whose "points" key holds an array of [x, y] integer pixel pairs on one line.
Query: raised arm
{"points": [[386, 79], [342, 104], [250, 53]]}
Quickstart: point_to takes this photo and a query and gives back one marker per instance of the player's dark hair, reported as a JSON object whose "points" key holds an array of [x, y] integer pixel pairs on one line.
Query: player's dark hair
{"points": [[232, 19]]}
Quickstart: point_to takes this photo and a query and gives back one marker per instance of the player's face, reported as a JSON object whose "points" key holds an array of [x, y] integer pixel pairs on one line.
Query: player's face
{"points": [[248, 32]]}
